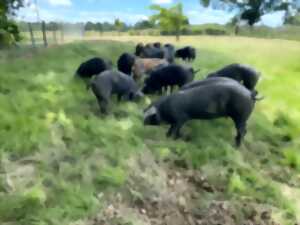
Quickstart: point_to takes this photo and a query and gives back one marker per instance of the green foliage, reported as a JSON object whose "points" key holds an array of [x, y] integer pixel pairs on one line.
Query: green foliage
{"points": [[52, 26], [170, 20], [36, 193], [292, 158], [18, 208], [293, 20], [89, 26], [252, 11], [236, 184], [144, 24], [208, 29], [285, 32], [119, 25], [111, 176], [9, 6], [148, 32], [9, 32]]}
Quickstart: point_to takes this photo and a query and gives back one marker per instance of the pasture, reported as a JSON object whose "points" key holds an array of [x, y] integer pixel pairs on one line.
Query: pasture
{"points": [[64, 163]]}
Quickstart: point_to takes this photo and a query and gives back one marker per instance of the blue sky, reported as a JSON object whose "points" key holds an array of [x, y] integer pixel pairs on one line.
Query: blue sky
{"points": [[129, 11]]}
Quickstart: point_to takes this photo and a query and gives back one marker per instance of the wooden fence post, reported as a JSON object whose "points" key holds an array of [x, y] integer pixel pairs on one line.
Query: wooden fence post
{"points": [[62, 33], [54, 35], [82, 31], [31, 35], [44, 34]]}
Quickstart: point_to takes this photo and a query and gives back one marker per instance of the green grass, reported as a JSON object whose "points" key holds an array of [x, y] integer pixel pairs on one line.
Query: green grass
{"points": [[58, 154], [287, 32]]}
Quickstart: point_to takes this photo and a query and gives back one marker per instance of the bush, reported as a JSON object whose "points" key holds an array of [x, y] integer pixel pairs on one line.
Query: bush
{"points": [[5, 38], [153, 32], [199, 30], [213, 31], [292, 158], [134, 32], [9, 33]]}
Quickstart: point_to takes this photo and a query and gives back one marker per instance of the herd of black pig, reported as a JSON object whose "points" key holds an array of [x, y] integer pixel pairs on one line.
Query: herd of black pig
{"points": [[228, 92]]}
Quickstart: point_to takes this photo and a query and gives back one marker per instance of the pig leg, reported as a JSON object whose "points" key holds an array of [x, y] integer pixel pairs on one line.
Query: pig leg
{"points": [[103, 103], [170, 131], [101, 100], [176, 130], [241, 132]]}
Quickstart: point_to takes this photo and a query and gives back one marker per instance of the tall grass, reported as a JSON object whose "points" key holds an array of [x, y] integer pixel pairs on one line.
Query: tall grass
{"points": [[53, 135]]}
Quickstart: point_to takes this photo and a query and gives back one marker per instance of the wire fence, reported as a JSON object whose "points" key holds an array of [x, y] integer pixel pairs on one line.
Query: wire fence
{"points": [[38, 35]]}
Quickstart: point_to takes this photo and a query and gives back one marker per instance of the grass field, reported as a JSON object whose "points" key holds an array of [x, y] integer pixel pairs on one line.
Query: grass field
{"points": [[64, 163]]}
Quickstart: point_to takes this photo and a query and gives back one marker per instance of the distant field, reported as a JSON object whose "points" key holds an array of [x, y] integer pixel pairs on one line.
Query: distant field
{"points": [[286, 32], [62, 163]]}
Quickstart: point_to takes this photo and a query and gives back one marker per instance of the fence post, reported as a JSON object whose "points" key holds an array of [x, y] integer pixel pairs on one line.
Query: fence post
{"points": [[31, 35], [44, 34], [54, 35], [82, 32], [62, 33]]}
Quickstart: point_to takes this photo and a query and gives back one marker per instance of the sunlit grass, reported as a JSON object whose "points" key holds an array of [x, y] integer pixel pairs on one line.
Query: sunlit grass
{"points": [[49, 119]]}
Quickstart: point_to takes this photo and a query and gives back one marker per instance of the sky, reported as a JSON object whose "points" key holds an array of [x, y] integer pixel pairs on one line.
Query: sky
{"points": [[129, 11]]}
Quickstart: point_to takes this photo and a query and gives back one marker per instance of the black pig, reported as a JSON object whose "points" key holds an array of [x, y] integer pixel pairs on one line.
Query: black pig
{"points": [[125, 63], [93, 67], [112, 82], [171, 75], [239, 72], [187, 53], [210, 101]]}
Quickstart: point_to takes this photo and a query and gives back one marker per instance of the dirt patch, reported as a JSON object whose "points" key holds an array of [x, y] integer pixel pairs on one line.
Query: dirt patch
{"points": [[163, 195]]}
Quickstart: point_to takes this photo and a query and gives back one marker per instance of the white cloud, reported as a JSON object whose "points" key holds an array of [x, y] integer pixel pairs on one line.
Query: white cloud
{"points": [[274, 19], [162, 1], [29, 14], [68, 15], [127, 17], [60, 2], [202, 15]]}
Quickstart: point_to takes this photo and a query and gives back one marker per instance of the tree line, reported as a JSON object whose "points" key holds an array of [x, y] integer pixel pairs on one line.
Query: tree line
{"points": [[169, 20], [90, 26]]}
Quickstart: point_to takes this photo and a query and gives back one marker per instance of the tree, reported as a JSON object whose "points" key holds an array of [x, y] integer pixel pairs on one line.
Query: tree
{"points": [[107, 26], [293, 20], [89, 26], [99, 28], [144, 24], [119, 25], [234, 22], [251, 11], [9, 32], [170, 20], [8, 7], [52, 26]]}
